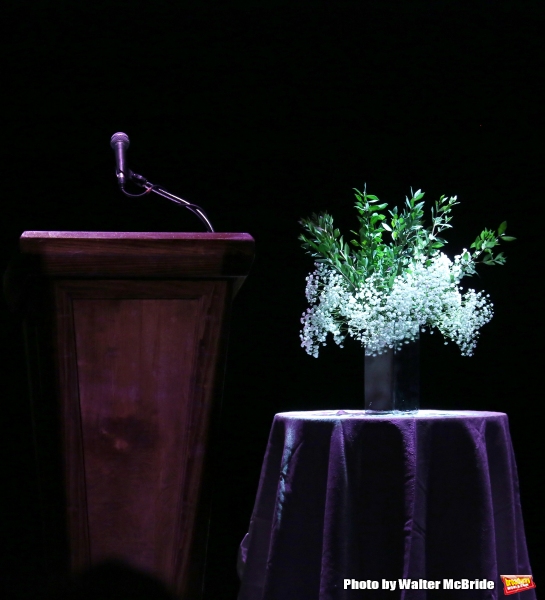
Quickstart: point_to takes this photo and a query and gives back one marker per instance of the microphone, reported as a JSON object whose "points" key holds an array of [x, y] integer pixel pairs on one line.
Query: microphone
{"points": [[120, 143]]}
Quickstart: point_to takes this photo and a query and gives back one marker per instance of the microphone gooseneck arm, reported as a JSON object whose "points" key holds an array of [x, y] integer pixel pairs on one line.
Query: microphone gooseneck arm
{"points": [[150, 187]]}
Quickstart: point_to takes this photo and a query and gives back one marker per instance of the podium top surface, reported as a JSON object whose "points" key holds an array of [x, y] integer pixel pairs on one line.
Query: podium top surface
{"points": [[133, 235], [137, 254]]}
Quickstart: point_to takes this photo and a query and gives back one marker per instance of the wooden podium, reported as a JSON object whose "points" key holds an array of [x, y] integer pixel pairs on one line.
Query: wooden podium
{"points": [[126, 340]]}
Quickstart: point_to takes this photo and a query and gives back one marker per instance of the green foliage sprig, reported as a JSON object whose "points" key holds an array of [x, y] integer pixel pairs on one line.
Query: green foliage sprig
{"points": [[410, 240]]}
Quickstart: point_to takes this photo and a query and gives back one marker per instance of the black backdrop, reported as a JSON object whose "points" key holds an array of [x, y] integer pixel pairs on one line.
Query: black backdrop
{"points": [[262, 116]]}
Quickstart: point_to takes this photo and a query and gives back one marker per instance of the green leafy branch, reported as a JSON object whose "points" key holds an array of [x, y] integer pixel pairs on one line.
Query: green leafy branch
{"points": [[483, 245], [410, 240], [326, 245]]}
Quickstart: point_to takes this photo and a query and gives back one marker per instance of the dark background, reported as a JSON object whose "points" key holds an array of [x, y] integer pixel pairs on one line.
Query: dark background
{"points": [[262, 116]]}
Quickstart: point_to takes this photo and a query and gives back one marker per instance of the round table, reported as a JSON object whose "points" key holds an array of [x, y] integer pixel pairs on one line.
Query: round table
{"points": [[348, 496]]}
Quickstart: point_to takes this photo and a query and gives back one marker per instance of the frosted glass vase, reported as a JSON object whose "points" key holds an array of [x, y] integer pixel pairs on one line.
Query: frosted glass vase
{"points": [[392, 381]]}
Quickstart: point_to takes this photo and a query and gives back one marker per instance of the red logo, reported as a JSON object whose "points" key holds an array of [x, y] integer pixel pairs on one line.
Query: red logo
{"points": [[513, 584]]}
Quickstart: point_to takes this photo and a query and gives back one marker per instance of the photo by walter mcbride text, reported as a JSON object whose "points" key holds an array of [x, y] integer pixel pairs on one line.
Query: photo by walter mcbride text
{"points": [[420, 584]]}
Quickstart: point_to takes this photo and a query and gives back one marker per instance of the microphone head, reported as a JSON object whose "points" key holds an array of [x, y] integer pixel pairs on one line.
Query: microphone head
{"points": [[120, 138]]}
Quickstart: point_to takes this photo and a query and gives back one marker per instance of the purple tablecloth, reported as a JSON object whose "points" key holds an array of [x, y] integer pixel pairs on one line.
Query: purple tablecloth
{"points": [[345, 495]]}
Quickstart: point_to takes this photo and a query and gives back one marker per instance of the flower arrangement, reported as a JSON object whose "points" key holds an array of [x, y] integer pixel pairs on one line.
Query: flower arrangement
{"points": [[384, 294]]}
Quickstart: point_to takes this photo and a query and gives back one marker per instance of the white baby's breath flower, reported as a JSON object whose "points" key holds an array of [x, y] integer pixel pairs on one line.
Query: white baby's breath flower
{"points": [[424, 297]]}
